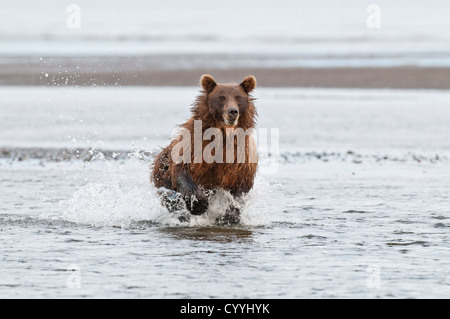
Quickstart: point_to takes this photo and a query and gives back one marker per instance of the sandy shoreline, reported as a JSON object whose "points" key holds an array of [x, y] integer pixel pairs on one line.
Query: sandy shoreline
{"points": [[138, 71]]}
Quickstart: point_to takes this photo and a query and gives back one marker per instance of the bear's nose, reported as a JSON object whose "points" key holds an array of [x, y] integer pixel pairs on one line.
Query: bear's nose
{"points": [[233, 112]]}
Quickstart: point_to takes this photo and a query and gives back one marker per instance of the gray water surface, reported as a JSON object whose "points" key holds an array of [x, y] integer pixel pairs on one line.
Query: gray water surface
{"points": [[358, 208]]}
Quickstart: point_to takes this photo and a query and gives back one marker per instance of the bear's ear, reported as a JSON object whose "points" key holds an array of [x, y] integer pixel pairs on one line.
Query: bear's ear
{"points": [[248, 84], [207, 82]]}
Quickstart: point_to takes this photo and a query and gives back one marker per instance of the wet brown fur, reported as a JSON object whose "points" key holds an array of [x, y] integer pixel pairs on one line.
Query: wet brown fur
{"points": [[211, 108]]}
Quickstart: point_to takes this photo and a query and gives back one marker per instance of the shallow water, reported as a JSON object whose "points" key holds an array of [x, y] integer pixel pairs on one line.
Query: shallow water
{"points": [[358, 206]]}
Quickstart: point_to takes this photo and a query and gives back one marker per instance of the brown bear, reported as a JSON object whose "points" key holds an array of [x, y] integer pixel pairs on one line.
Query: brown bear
{"points": [[225, 159]]}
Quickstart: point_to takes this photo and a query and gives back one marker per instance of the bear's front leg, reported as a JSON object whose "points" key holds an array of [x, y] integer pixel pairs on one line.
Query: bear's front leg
{"points": [[231, 216], [196, 201]]}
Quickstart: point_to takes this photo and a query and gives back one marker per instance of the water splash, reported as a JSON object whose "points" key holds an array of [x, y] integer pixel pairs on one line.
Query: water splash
{"points": [[120, 194]]}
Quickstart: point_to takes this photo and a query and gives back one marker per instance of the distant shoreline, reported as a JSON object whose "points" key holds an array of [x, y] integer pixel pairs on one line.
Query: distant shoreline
{"points": [[137, 72]]}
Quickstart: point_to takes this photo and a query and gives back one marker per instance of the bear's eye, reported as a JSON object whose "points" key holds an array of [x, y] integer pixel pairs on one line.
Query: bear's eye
{"points": [[222, 98], [237, 97]]}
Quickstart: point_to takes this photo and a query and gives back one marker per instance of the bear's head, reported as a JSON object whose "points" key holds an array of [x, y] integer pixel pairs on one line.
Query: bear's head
{"points": [[230, 104]]}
